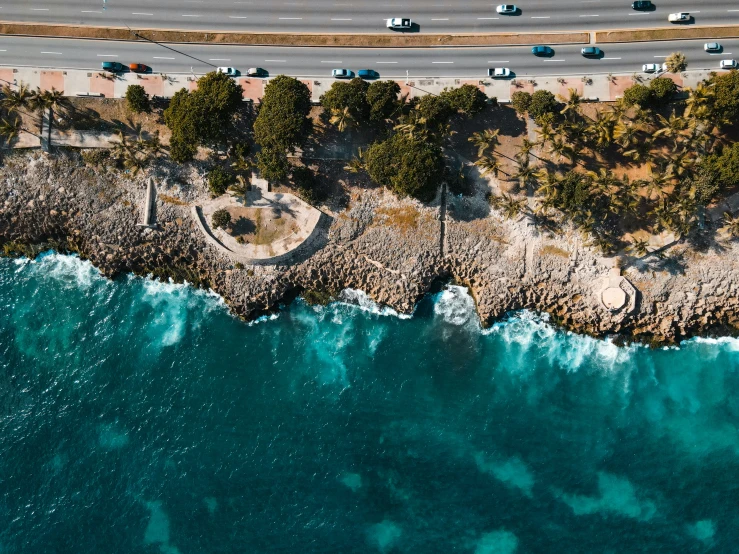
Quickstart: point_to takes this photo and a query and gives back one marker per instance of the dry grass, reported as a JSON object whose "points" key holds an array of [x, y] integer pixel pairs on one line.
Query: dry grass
{"points": [[404, 218], [552, 250], [285, 39], [672, 33], [172, 200]]}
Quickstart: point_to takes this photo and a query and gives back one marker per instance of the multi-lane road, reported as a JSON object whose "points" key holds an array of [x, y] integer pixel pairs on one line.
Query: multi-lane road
{"points": [[318, 62], [364, 16]]}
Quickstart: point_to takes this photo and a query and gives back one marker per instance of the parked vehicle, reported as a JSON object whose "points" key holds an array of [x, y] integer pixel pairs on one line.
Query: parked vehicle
{"points": [[499, 72], [139, 68], [342, 73], [256, 72], [113, 67], [642, 5], [507, 9], [712, 47], [542, 51], [368, 74], [230, 71], [681, 17], [728, 64], [591, 52], [651, 68], [399, 23]]}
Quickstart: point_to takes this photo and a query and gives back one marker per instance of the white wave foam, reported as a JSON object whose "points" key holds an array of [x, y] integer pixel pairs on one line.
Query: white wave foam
{"points": [[359, 299], [68, 269], [455, 305], [263, 319]]}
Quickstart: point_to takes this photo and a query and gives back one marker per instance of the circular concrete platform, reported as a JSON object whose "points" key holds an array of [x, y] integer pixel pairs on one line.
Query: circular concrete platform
{"points": [[613, 298]]}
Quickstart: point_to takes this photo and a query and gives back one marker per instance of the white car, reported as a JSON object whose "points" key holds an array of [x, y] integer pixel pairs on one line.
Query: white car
{"points": [[499, 72], [728, 64], [399, 23], [651, 68], [230, 71], [681, 17], [506, 9]]}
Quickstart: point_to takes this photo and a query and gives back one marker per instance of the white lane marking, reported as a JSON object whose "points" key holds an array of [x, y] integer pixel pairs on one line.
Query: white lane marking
{"points": [[39, 9], [539, 17], [442, 62], [141, 13], [289, 18], [331, 61], [190, 15], [386, 62], [161, 58], [590, 15], [59, 53], [3, 50], [276, 61], [440, 19], [488, 18], [610, 58], [237, 17], [107, 55], [554, 60], [219, 59], [90, 11], [499, 61], [721, 54], [660, 56], [340, 19], [732, 10]]}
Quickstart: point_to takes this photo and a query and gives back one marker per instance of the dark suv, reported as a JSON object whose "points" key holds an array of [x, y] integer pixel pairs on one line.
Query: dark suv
{"points": [[642, 5]]}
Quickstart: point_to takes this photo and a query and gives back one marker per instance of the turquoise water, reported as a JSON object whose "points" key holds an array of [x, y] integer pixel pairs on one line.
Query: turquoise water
{"points": [[140, 417]]}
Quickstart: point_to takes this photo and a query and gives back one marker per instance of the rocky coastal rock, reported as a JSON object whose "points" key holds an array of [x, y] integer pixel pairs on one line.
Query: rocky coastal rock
{"points": [[394, 250]]}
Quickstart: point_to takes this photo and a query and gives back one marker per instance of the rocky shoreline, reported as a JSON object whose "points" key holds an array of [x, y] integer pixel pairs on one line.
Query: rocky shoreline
{"points": [[394, 250]]}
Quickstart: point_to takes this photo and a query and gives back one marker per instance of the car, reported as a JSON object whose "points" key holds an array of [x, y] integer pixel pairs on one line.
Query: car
{"points": [[680, 17], [506, 9], [342, 73], [712, 47], [651, 68], [542, 51], [728, 64], [499, 72], [139, 68], [230, 71], [399, 23], [256, 72], [591, 52], [113, 67], [641, 5], [367, 74]]}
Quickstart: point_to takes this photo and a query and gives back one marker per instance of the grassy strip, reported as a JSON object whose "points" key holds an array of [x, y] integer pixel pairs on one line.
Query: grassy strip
{"points": [[672, 33], [389, 40]]}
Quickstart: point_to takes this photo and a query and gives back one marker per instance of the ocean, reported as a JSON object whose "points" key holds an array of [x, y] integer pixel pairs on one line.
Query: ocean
{"points": [[141, 417]]}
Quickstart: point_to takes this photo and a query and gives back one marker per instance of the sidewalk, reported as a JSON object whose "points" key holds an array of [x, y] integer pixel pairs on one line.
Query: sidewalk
{"points": [[95, 83]]}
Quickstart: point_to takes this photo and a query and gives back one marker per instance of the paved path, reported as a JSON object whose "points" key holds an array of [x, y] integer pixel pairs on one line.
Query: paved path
{"points": [[317, 62], [364, 16]]}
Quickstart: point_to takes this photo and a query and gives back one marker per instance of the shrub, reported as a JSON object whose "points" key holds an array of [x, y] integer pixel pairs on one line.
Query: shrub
{"points": [[676, 62], [219, 180], [574, 192], [542, 102], [308, 187], [467, 99], [521, 101], [95, 156], [382, 97], [221, 218], [407, 165], [137, 99], [662, 90], [352, 95], [240, 150], [638, 95]]}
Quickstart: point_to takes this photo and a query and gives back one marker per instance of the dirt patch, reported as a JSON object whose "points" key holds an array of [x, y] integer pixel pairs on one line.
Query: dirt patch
{"points": [[552, 250], [403, 218], [674, 33], [260, 226], [109, 115], [393, 40], [171, 200]]}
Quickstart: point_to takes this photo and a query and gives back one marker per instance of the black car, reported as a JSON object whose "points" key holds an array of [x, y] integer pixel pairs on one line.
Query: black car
{"points": [[642, 5]]}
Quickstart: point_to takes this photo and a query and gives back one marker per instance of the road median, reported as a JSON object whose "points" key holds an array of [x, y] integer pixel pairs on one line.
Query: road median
{"points": [[671, 33], [389, 40]]}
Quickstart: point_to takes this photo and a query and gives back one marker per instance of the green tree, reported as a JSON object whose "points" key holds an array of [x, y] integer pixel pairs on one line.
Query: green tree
{"points": [[724, 96], [343, 119], [382, 97], [219, 180], [282, 124], [435, 110], [407, 165], [220, 218], [273, 164], [638, 95], [304, 180], [350, 96], [543, 102], [467, 99], [137, 100], [521, 101], [203, 116], [662, 90]]}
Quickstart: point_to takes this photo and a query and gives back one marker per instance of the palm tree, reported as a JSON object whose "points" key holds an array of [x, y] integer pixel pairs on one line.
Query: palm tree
{"points": [[548, 184], [357, 162], [626, 133], [10, 129], [639, 246], [731, 224], [511, 206], [657, 182], [680, 163], [489, 164], [676, 62], [14, 100], [603, 128], [525, 174], [572, 104], [343, 119], [672, 127], [698, 97], [545, 132], [413, 125], [641, 152], [525, 151], [485, 140], [602, 181], [625, 200], [562, 149]]}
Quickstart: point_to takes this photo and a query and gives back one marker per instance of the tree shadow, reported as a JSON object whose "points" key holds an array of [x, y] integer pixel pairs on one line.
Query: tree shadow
{"points": [[242, 226]]}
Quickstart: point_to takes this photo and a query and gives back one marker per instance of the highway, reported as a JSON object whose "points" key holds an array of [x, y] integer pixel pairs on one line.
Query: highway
{"points": [[318, 62], [363, 16]]}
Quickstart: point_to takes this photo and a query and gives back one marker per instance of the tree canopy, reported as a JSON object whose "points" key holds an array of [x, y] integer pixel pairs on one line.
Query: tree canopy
{"points": [[137, 99], [467, 99], [725, 94], [542, 102], [521, 101], [348, 94], [662, 90], [407, 165], [382, 97], [436, 110], [638, 95]]}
